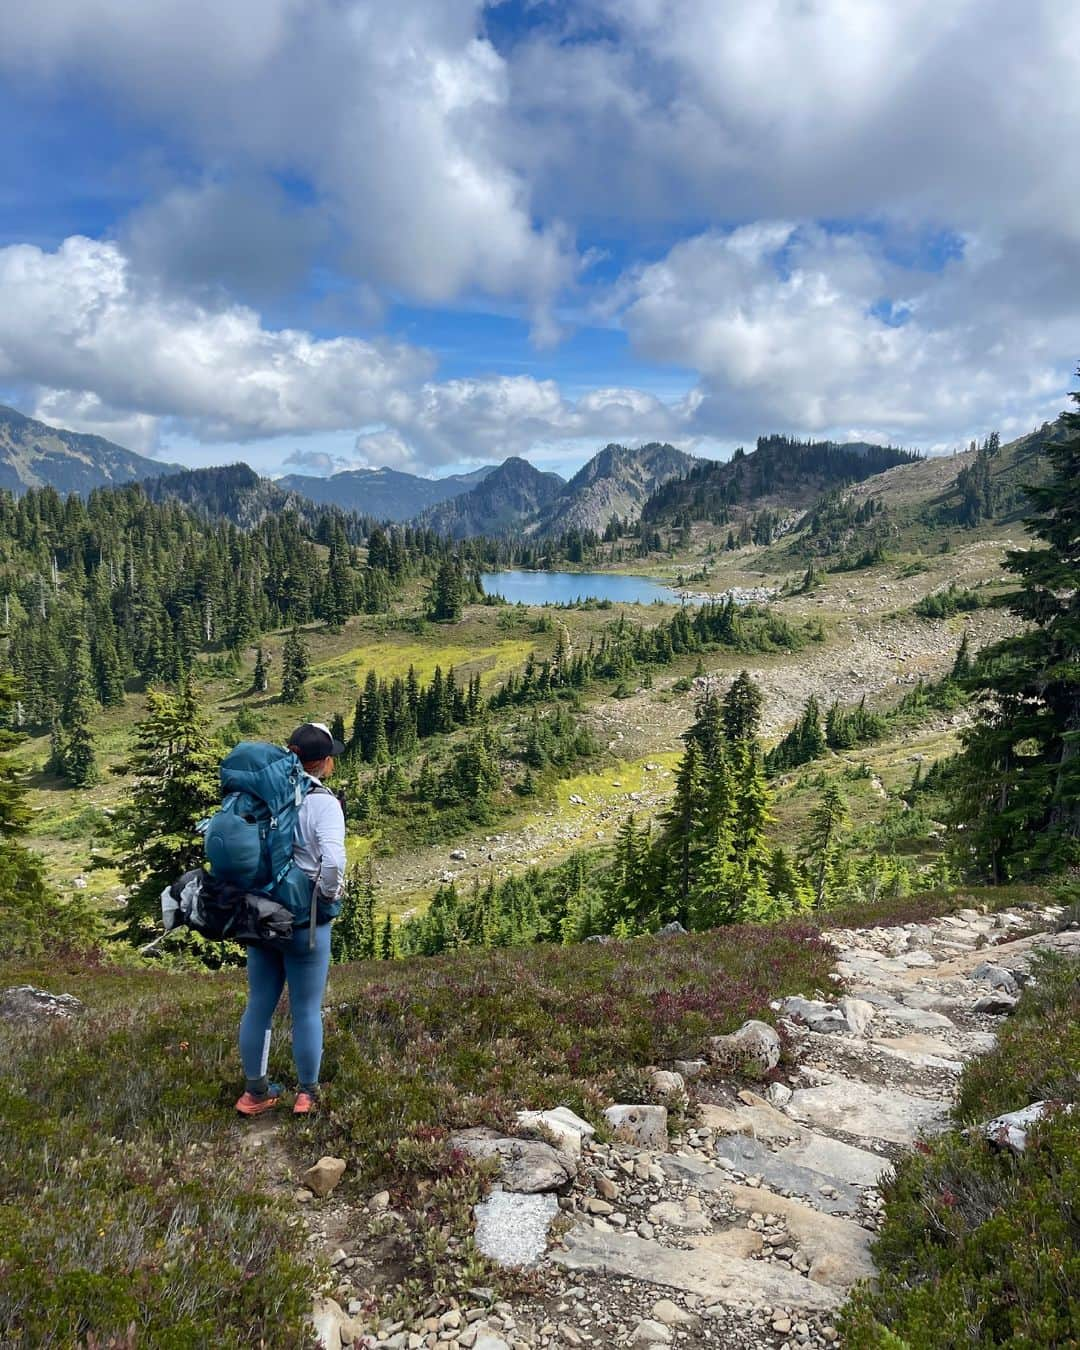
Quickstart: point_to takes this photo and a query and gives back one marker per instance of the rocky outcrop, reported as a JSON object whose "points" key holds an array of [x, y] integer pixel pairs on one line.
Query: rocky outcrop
{"points": [[27, 1005]]}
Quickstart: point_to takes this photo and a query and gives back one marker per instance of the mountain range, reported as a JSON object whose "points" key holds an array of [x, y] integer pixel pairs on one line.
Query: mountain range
{"points": [[33, 454], [617, 481], [385, 494]]}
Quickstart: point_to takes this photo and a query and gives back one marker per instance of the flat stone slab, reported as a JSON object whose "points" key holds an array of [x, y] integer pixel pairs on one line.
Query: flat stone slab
{"points": [[920, 1018], [918, 1059], [854, 1107], [760, 1121], [781, 1173], [512, 1229], [714, 1275], [838, 1249], [857, 1166]]}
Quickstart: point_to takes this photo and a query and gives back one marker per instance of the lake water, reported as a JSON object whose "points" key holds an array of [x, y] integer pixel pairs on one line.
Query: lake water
{"points": [[563, 588]]}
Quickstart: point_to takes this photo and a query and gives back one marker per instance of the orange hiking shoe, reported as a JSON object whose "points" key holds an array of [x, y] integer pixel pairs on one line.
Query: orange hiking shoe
{"points": [[250, 1105], [304, 1104]]}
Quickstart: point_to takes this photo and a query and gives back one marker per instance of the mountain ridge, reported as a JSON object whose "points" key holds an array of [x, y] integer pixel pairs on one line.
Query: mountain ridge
{"points": [[383, 493], [35, 455], [512, 495]]}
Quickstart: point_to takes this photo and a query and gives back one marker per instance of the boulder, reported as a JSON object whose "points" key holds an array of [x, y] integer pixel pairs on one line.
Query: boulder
{"points": [[858, 1014], [817, 1016], [671, 1315], [649, 1332], [323, 1176], [995, 1005], [29, 1006], [565, 1127], [997, 977], [690, 1068], [753, 1049], [666, 1084], [327, 1320], [528, 1166], [673, 929], [644, 1126], [1010, 1131]]}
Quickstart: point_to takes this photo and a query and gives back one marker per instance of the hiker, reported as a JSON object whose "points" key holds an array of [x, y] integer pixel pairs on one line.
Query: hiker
{"points": [[319, 853]]}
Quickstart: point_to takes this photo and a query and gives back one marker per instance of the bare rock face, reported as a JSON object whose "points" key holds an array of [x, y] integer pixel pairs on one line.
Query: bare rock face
{"points": [[753, 1049], [527, 1166], [323, 1176]]}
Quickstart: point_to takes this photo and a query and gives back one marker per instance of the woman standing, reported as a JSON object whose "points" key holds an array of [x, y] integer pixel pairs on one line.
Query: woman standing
{"points": [[319, 852]]}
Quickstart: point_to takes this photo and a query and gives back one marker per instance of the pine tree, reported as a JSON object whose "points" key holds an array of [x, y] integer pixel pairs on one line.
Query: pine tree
{"points": [[295, 667], [822, 846], [790, 890], [261, 678], [742, 709], [447, 594], [174, 785], [962, 664], [354, 934], [78, 761], [386, 940], [25, 900], [1020, 769]]}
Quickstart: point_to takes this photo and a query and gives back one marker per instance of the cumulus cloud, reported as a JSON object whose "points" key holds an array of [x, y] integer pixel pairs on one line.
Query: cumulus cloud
{"points": [[929, 111], [78, 320], [475, 420], [794, 327], [318, 462], [387, 113]]}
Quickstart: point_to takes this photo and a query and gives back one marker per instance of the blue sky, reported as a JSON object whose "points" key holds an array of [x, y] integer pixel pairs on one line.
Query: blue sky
{"points": [[326, 233]]}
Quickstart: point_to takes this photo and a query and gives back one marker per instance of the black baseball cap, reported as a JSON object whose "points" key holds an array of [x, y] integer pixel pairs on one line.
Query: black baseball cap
{"points": [[313, 741]]}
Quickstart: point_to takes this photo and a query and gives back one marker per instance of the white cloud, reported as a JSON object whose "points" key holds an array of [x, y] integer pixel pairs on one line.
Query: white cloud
{"points": [[79, 321], [318, 462], [388, 112], [786, 326], [478, 420], [947, 112]]}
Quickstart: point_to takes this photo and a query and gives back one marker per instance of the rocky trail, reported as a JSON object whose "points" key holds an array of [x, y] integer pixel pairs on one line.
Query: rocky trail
{"points": [[737, 1207]]}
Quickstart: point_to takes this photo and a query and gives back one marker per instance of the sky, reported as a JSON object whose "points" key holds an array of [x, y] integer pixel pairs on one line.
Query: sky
{"points": [[326, 234]]}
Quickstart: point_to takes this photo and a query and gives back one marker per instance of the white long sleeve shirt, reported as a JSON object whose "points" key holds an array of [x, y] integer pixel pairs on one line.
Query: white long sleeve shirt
{"points": [[319, 845]]}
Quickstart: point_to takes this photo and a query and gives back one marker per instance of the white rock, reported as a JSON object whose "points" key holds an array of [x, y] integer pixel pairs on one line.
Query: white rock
{"points": [[648, 1332], [645, 1126], [512, 1229], [754, 1048], [1011, 1129], [667, 1084], [562, 1124], [858, 1014]]}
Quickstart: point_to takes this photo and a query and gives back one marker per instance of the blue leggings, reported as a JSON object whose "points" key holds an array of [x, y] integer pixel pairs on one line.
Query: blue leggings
{"points": [[306, 973]]}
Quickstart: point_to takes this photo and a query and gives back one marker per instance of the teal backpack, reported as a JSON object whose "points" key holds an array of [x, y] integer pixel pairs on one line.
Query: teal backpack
{"points": [[249, 841]]}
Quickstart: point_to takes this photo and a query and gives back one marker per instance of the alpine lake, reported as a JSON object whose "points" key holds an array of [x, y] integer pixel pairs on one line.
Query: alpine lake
{"points": [[568, 588]]}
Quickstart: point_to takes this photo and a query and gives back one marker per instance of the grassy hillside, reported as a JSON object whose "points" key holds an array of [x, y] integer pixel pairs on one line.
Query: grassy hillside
{"points": [[129, 1197]]}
